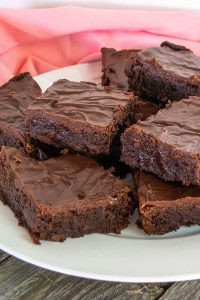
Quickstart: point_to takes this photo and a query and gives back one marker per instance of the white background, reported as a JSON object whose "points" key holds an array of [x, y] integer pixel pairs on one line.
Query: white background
{"points": [[134, 4]]}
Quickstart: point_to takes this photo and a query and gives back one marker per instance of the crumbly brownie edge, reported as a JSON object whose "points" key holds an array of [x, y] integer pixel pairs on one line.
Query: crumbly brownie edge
{"points": [[158, 220], [15, 195], [148, 79], [77, 136], [107, 217], [68, 134], [143, 151]]}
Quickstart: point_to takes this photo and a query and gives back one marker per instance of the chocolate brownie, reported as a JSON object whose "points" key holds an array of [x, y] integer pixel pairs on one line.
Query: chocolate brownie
{"points": [[62, 197], [168, 72], [113, 63], [15, 96], [168, 143], [80, 116], [166, 206]]}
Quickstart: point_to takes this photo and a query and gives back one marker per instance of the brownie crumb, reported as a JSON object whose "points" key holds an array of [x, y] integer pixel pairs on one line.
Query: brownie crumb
{"points": [[29, 148], [64, 151], [35, 238]]}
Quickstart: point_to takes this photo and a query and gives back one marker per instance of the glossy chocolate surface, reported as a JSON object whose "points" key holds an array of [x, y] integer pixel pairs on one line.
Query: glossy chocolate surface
{"points": [[15, 96], [80, 101], [177, 125], [62, 180], [152, 189], [174, 58]]}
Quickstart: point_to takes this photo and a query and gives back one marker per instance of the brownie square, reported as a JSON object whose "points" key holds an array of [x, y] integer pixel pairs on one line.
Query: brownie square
{"points": [[80, 116], [168, 72], [167, 143], [166, 206], [113, 63], [67, 196], [15, 96]]}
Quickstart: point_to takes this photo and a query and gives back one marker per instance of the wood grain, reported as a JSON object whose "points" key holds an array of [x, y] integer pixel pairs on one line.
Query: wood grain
{"points": [[19, 280], [3, 256], [22, 281], [188, 290]]}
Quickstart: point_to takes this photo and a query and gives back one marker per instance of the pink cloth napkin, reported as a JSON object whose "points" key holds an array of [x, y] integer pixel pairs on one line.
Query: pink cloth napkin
{"points": [[40, 40]]}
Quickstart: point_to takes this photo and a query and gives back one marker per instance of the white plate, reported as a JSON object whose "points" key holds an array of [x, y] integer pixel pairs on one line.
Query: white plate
{"points": [[131, 256]]}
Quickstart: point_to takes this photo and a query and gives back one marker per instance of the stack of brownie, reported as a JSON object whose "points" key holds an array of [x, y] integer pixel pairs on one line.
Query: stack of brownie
{"points": [[167, 144], [57, 147], [69, 195]]}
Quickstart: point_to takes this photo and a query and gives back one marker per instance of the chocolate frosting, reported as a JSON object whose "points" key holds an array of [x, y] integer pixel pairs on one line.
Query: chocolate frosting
{"points": [[152, 189], [80, 101], [113, 63], [23, 83], [174, 58], [15, 96], [62, 180], [177, 125]]}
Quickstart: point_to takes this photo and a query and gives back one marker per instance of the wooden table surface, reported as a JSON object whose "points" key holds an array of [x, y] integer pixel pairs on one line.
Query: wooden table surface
{"points": [[22, 281]]}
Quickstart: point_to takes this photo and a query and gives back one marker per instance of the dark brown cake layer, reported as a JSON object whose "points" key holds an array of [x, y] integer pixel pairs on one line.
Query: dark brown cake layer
{"points": [[67, 196], [166, 206], [80, 116], [15, 96], [113, 63], [167, 144], [168, 72]]}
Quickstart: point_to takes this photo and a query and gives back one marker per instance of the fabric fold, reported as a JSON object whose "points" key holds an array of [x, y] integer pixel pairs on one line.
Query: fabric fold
{"points": [[40, 40]]}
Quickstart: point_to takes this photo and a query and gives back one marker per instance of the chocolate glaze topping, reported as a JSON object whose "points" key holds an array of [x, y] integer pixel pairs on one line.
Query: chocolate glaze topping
{"points": [[177, 125], [23, 83], [151, 188], [15, 96], [174, 58], [80, 101], [59, 181]]}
